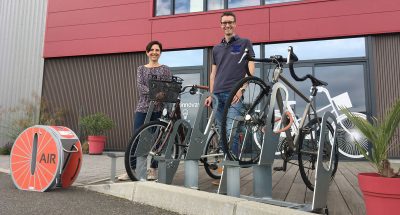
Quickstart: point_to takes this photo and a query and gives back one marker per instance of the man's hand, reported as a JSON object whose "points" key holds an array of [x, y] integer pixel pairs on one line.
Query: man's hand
{"points": [[208, 101], [237, 97]]}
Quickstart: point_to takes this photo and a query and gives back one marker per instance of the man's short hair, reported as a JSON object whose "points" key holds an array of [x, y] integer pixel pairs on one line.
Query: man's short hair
{"points": [[228, 13]]}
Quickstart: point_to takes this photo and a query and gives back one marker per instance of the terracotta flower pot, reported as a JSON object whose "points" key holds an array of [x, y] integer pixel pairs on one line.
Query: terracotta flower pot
{"points": [[96, 144], [381, 194]]}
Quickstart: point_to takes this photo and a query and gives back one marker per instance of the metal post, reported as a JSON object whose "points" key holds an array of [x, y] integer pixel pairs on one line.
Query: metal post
{"points": [[192, 174]]}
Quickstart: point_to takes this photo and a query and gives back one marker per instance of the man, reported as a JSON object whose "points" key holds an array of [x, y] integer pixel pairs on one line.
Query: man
{"points": [[226, 72]]}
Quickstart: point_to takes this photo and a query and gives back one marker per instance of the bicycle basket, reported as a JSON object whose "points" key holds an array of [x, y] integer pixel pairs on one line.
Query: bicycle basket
{"points": [[164, 90]]}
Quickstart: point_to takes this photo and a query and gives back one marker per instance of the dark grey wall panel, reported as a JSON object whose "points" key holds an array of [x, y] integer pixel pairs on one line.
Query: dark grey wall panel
{"points": [[386, 58], [90, 84]]}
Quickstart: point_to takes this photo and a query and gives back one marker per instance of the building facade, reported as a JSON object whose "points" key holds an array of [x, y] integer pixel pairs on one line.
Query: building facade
{"points": [[92, 49], [22, 29]]}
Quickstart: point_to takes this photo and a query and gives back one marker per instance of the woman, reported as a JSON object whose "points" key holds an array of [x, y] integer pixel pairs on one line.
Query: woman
{"points": [[144, 73]]}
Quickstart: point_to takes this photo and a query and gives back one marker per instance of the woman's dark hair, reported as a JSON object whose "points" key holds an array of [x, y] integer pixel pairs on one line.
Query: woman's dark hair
{"points": [[228, 13], [154, 42]]}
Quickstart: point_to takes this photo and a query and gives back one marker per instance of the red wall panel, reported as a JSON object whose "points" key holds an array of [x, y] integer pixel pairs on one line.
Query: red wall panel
{"points": [[120, 44], [87, 27], [98, 30], [62, 5], [334, 18]]}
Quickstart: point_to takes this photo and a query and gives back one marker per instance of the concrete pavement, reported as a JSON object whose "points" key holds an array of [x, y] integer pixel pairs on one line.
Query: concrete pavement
{"points": [[95, 175], [73, 200]]}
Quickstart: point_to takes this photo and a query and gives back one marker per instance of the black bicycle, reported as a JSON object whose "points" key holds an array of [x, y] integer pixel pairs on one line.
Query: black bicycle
{"points": [[157, 133]]}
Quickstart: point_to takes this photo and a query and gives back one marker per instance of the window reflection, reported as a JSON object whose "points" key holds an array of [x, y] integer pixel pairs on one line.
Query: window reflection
{"points": [[242, 3], [192, 57], [215, 4], [323, 49], [186, 6], [190, 103], [163, 7], [341, 79]]}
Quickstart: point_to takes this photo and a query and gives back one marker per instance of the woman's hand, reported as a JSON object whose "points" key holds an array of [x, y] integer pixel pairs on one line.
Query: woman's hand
{"points": [[208, 101]]}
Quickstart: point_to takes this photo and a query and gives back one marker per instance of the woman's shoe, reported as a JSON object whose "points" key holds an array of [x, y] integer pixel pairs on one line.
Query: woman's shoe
{"points": [[151, 174]]}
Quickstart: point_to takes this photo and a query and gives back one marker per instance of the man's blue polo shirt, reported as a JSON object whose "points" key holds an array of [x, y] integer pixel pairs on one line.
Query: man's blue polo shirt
{"points": [[226, 56]]}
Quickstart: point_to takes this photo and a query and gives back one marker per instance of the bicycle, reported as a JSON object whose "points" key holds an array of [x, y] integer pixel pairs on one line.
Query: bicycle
{"points": [[157, 133], [346, 130], [250, 125]]}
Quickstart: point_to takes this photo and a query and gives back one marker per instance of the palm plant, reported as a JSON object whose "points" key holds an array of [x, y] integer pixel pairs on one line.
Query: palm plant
{"points": [[379, 133]]}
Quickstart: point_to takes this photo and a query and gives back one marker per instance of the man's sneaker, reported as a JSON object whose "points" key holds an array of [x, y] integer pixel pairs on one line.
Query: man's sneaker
{"points": [[124, 177], [151, 174]]}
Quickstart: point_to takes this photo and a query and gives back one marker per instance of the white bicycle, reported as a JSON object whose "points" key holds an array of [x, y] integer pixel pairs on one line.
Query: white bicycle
{"points": [[346, 132]]}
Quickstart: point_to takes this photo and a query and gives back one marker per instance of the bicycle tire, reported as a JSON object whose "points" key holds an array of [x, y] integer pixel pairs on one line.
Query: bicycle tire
{"points": [[212, 164], [348, 134], [308, 151], [253, 104], [130, 159]]}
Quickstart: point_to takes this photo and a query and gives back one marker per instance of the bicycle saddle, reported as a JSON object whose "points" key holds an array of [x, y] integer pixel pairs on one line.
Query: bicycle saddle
{"points": [[316, 82]]}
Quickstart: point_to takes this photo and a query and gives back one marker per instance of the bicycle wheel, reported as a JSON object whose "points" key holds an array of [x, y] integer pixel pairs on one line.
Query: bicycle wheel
{"points": [[308, 151], [246, 120], [348, 134], [154, 133], [211, 164]]}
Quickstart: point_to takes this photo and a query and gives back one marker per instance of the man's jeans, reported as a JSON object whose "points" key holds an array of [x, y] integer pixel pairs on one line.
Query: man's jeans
{"points": [[232, 113]]}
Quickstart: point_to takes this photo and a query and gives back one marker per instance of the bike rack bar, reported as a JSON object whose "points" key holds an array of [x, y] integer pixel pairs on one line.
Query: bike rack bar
{"points": [[197, 144], [143, 149], [323, 175], [262, 171], [167, 164]]}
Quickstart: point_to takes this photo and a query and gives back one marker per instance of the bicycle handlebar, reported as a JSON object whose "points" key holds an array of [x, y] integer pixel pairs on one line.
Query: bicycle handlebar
{"points": [[193, 88], [278, 59]]}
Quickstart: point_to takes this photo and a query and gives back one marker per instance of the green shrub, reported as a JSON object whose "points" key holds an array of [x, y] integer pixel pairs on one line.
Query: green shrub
{"points": [[26, 114], [379, 133], [6, 150], [96, 124]]}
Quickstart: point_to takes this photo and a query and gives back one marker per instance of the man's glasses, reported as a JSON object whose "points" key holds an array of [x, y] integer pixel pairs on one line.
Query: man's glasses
{"points": [[228, 23]]}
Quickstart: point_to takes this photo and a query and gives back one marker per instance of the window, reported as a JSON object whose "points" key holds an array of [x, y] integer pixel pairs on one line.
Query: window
{"points": [[215, 4], [192, 57], [242, 3], [341, 79], [169, 7], [323, 49], [163, 7], [339, 62], [186, 6]]}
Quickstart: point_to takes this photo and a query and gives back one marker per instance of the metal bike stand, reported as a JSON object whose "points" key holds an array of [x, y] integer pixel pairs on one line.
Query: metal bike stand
{"points": [[323, 174], [197, 144], [143, 147], [262, 171], [167, 164]]}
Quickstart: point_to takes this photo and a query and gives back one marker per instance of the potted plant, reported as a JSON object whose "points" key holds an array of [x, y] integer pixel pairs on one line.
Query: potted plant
{"points": [[95, 126], [381, 190]]}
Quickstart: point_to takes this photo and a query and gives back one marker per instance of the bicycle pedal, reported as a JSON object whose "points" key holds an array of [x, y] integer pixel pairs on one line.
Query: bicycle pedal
{"points": [[279, 168]]}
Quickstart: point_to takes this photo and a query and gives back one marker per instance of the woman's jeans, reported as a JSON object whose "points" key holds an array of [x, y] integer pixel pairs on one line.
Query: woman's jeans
{"points": [[139, 121], [232, 113]]}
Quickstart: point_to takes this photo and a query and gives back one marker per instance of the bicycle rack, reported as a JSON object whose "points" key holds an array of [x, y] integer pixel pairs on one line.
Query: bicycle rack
{"points": [[143, 149], [197, 144], [262, 171], [195, 147], [167, 164]]}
